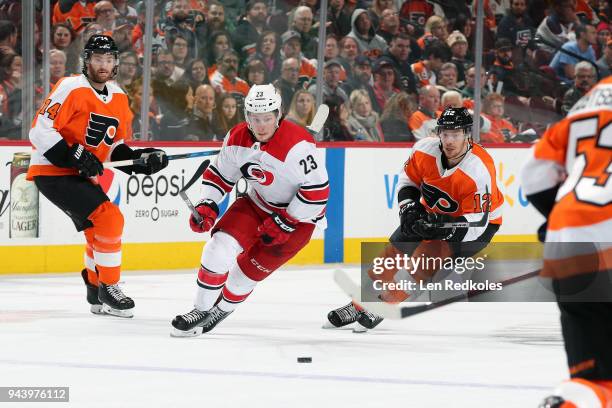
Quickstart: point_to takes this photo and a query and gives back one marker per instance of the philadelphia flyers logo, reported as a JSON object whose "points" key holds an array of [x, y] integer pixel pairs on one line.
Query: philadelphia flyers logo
{"points": [[436, 198], [254, 172], [101, 128]]}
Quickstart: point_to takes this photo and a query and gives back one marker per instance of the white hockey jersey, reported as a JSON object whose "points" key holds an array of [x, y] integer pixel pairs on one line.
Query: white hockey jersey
{"points": [[284, 175]]}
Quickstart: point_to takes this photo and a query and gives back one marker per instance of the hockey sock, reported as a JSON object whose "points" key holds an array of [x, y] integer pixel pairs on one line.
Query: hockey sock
{"points": [[209, 287], [237, 288], [90, 264], [107, 229]]}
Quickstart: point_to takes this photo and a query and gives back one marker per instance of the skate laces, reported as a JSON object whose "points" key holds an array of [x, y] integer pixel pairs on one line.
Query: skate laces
{"points": [[347, 312], [115, 292], [217, 314], [370, 316], [193, 316]]}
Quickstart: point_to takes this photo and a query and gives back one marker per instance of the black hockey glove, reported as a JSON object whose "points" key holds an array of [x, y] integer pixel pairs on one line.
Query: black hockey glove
{"points": [[434, 232], [410, 211], [85, 161], [155, 160]]}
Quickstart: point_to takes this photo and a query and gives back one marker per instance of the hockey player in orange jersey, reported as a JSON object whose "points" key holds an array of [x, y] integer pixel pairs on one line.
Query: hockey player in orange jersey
{"points": [[446, 179], [84, 121], [569, 180]]}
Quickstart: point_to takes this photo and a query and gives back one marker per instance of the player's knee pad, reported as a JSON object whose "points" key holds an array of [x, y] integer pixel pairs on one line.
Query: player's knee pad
{"points": [[107, 220], [220, 252], [238, 283]]}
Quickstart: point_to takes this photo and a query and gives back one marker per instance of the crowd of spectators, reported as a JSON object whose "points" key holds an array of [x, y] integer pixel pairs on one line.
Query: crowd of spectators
{"points": [[390, 66]]}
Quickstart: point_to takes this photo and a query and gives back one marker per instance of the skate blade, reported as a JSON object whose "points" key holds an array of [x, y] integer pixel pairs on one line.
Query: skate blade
{"points": [[96, 309], [196, 331], [359, 328], [127, 313]]}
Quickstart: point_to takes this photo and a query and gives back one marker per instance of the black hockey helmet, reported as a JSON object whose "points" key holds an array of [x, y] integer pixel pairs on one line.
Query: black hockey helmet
{"points": [[100, 44], [455, 118]]}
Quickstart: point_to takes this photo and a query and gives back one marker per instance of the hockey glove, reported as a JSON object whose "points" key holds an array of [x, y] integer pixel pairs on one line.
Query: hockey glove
{"points": [[410, 211], [276, 229], [155, 160], [85, 161], [434, 232], [209, 211]]}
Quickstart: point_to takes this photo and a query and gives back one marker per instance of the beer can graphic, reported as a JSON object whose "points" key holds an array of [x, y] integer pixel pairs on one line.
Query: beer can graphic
{"points": [[23, 216]]}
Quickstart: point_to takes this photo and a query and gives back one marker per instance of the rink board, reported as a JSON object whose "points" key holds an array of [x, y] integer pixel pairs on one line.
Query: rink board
{"points": [[362, 207]]}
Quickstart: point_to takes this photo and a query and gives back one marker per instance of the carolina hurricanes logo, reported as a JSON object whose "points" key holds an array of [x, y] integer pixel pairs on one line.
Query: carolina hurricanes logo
{"points": [[254, 172], [101, 128], [434, 197]]}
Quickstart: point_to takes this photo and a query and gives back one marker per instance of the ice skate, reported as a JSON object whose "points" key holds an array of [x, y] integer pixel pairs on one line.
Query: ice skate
{"points": [[92, 294], [114, 302], [366, 321], [341, 317], [188, 324]]}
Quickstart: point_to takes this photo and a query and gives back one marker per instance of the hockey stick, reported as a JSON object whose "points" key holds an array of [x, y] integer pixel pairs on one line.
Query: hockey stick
{"points": [[396, 311], [465, 224], [142, 160], [319, 119], [183, 193]]}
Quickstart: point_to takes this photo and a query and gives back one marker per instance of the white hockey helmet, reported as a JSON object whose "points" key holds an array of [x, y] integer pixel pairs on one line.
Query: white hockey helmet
{"points": [[263, 99]]}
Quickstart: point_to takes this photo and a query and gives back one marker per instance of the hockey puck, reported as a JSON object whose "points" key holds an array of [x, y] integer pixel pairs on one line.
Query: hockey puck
{"points": [[304, 359]]}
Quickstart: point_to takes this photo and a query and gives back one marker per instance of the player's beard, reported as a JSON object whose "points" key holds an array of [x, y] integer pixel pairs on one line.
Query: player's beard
{"points": [[100, 78]]}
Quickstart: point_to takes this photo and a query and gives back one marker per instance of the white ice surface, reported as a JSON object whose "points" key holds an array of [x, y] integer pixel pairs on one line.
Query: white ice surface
{"points": [[463, 355]]}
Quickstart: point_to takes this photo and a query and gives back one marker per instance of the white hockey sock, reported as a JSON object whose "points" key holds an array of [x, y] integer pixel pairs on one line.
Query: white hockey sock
{"points": [[237, 288], [218, 256]]}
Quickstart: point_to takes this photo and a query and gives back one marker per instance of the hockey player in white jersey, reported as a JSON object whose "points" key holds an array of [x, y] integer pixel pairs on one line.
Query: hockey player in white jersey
{"points": [[286, 199]]}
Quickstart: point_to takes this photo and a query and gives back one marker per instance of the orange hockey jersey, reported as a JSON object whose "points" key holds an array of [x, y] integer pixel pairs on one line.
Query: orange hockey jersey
{"points": [[73, 111], [459, 191], [78, 17]]}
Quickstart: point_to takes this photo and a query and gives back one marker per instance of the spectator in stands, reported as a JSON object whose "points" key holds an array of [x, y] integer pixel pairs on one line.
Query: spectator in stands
{"points": [[501, 129], [302, 108], [105, 15], [250, 27], [470, 83], [362, 79], [448, 78], [603, 35], [180, 49], [292, 48], [416, 13], [399, 53], [171, 96], [268, 51], [227, 113], [331, 81], [288, 83], [75, 13], [336, 126], [57, 66], [453, 99], [127, 69], [225, 79], [584, 80], [423, 121], [220, 41], [349, 50], [332, 51], [368, 41], [459, 49], [375, 11], [435, 29], [338, 18], [134, 92], [557, 26], [363, 122], [10, 93], [126, 14], [389, 24], [604, 64], [61, 36], [196, 74], [180, 23], [255, 72], [215, 21], [89, 30], [517, 25], [563, 63], [385, 79], [301, 22], [123, 37], [503, 69], [203, 124], [394, 119], [8, 34], [434, 55]]}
